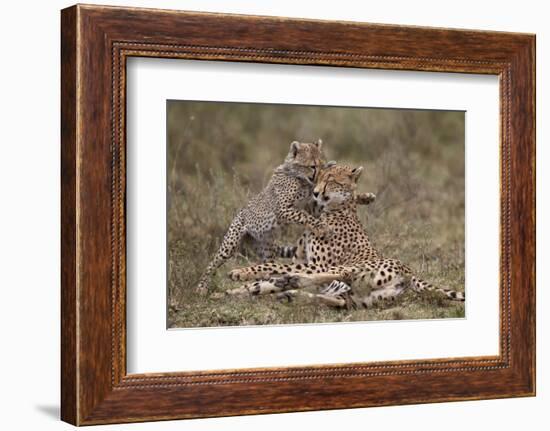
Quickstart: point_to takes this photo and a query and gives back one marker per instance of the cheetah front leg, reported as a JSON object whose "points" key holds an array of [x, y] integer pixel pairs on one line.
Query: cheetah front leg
{"points": [[292, 215], [316, 274], [317, 298], [281, 283], [336, 295], [304, 281], [263, 287]]}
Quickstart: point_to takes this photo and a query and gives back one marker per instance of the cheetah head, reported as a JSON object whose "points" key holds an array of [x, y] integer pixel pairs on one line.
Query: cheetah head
{"points": [[336, 185], [305, 159]]}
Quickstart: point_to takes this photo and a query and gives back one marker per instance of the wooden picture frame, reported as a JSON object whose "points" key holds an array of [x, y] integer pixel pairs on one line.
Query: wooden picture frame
{"points": [[95, 43]]}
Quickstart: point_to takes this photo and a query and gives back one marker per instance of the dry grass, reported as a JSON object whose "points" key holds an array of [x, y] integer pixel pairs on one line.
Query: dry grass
{"points": [[220, 154]]}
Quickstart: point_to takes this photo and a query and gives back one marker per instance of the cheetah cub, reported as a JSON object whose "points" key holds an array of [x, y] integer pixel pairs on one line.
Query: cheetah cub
{"points": [[283, 201]]}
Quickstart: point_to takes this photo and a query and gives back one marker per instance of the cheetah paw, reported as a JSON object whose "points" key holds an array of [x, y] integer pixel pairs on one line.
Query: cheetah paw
{"points": [[365, 198], [285, 297], [286, 281], [235, 274]]}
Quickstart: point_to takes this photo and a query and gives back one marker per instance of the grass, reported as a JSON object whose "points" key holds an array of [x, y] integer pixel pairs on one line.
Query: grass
{"points": [[221, 154]]}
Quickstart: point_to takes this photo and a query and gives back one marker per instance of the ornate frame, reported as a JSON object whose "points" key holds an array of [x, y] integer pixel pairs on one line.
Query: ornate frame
{"points": [[95, 43]]}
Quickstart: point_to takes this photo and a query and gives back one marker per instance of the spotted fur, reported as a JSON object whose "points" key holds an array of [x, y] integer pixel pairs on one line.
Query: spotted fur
{"points": [[347, 256], [297, 252], [283, 201]]}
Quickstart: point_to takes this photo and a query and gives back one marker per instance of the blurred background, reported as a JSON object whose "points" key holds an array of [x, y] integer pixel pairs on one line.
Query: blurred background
{"points": [[220, 154]]}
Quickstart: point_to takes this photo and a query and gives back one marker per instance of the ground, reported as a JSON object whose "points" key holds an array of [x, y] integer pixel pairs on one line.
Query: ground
{"points": [[219, 155]]}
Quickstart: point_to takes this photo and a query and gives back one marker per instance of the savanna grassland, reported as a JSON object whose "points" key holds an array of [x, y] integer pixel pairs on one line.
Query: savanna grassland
{"points": [[220, 154]]}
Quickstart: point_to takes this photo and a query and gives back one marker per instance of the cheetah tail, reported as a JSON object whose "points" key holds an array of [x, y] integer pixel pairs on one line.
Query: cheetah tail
{"points": [[286, 251], [420, 286]]}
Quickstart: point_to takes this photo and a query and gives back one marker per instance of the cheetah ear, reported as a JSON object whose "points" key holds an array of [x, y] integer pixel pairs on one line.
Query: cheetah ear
{"points": [[319, 143], [356, 173], [294, 148], [329, 164]]}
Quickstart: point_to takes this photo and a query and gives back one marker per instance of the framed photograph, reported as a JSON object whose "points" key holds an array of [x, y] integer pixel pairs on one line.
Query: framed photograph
{"points": [[264, 215]]}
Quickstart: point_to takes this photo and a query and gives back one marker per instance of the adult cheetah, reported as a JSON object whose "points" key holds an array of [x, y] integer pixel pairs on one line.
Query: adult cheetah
{"points": [[341, 264]]}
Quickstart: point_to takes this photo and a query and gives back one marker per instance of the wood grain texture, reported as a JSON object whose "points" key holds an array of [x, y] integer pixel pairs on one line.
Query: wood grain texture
{"points": [[69, 397], [96, 41]]}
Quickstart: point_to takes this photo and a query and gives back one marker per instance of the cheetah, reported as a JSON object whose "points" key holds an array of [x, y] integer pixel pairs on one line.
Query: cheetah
{"points": [[297, 252], [282, 201], [340, 264]]}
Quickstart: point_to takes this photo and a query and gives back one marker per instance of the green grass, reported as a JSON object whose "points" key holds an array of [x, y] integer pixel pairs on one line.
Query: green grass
{"points": [[220, 154]]}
